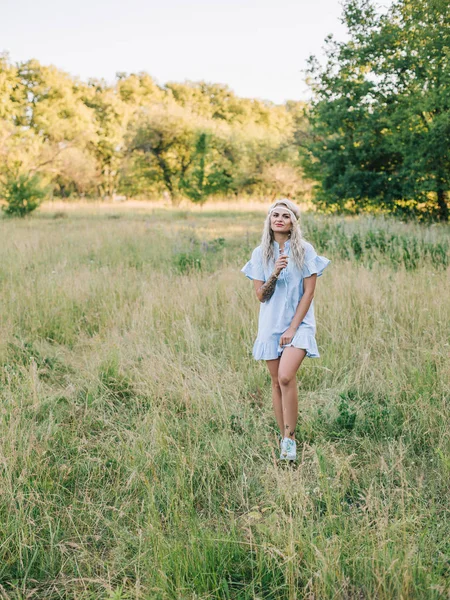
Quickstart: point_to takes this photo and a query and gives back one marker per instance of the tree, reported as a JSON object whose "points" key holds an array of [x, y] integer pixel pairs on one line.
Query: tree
{"points": [[9, 83], [138, 89], [76, 173], [109, 121], [281, 179], [43, 119], [54, 105], [380, 119], [163, 139], [207, 174]]}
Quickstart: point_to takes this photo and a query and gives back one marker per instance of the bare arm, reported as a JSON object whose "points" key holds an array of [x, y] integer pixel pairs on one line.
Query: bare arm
{"points": [[309, 286], [264, 290]]}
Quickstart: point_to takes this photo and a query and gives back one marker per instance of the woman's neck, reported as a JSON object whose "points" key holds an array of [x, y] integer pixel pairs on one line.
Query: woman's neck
{"points": [[281, 238]]}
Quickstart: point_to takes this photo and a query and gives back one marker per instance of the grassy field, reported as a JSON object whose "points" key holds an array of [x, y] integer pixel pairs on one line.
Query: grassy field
{"points": [[138, 445]]}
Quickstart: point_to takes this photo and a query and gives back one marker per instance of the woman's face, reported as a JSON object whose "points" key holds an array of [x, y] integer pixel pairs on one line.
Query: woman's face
{"points": [[280, 220]]}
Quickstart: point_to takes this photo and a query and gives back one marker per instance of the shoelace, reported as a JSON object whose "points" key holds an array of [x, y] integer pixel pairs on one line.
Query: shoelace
{"points": [[287, 446]]}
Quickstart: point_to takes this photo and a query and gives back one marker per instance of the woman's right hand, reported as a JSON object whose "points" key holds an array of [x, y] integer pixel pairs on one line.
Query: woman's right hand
{"points": [[280, 264]]}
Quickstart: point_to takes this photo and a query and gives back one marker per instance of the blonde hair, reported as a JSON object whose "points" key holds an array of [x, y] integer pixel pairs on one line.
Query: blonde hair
{"points": [[295, 236]]}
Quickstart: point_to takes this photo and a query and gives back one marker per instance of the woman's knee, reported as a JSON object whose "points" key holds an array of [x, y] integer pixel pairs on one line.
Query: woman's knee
{"points": [[275, 382], [285, 378]]}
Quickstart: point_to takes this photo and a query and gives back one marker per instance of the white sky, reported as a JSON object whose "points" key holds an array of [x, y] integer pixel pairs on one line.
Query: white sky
{"points": [[258, 47]]}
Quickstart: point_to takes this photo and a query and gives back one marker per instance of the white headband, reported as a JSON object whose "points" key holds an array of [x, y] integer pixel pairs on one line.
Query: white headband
{"points": [[293, 217]]}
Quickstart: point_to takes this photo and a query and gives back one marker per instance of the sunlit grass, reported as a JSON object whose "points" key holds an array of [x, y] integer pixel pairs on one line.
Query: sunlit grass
{"points": [[138, 444]]}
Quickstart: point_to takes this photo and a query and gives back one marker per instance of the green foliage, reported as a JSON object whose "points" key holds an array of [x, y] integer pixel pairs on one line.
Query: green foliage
{"points": [[345, 421], [366, 413], [52, 105], [188, 261], [379, 117], [109, 121], [164, 141], [22, 194], [199, 256], [207, 174], [8, 80], [376, 246], [193, 157], [189, 140]]}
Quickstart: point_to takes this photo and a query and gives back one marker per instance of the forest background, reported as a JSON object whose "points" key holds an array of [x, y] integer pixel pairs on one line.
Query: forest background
{"points": [[374, 137]]}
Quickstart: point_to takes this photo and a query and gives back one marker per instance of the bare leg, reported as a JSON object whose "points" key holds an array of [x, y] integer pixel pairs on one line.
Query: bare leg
{"points": [[276, 392], [290, 361]]}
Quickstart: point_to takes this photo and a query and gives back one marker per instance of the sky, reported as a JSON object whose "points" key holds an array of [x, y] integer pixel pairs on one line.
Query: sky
{"points": [[257, 47]]}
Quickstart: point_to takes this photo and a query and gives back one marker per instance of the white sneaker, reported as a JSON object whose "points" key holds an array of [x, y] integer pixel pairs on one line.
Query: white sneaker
{"points": [[281, 445], [288, 449]]}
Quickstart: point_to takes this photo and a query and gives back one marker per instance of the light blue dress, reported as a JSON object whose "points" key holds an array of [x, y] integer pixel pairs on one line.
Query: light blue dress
{"points": [[276, 314]]}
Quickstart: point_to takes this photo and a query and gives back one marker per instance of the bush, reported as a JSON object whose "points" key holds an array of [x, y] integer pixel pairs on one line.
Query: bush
{"points": [[23, 194]]}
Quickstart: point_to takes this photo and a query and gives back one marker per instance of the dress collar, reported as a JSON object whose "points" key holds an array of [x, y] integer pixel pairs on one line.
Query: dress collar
{"points": [[286, 243]]}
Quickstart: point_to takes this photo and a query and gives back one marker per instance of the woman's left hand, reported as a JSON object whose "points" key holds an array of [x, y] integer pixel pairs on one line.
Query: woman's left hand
{"points": [[286, 337]]}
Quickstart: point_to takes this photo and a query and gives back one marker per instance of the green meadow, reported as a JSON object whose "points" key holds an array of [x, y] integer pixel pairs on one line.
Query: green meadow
{"points": [[138, 447]]}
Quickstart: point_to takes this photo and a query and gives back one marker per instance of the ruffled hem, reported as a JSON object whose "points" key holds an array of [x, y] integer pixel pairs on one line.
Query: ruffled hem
{"points": [[305, 341], [316, 265], [270, 350], [265, 350]]}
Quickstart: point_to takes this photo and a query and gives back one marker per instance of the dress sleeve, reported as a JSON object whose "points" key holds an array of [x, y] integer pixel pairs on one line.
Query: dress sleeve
{"points": [[254, 268], [314, 263]]}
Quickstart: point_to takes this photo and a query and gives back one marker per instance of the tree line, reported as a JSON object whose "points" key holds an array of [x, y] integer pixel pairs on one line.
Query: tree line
{"points": [[374, 136], [137, 138]]}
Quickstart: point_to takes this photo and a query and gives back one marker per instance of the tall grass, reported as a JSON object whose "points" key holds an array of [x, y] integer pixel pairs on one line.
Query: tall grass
{"points": [[138, 446]]}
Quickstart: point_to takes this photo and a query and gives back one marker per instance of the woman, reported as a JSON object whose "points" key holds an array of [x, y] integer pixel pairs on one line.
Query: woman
{"points": [[284, 269]]}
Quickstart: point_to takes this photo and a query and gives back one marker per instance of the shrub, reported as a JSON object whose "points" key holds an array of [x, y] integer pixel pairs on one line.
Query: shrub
{"points": [[186, 262], [23, 194]]}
